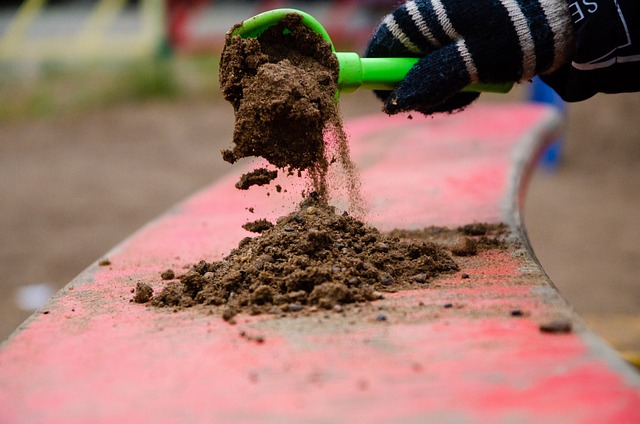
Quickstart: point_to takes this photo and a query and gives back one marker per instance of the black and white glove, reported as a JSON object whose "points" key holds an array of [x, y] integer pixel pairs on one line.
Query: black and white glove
{"points": [[461, 42]]}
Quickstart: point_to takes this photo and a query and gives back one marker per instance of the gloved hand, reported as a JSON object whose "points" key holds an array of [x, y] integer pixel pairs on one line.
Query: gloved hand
{"points": [[466, 41]]}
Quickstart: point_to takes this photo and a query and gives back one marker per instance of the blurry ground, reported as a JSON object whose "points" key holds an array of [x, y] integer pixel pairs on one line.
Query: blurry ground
{"points": [[74, 184]]}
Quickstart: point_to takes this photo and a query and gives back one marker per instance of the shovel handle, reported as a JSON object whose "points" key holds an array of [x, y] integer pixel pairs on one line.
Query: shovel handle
{"points": [[384, 73]]}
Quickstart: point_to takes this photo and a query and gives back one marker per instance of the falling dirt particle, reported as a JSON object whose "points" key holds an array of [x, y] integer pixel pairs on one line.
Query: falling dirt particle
{"points": [[104, 262], [447, 305], [259, 177], [143, 293], [517, 313], [464, 276], [258, 226], [168, 275], [251, 209]]}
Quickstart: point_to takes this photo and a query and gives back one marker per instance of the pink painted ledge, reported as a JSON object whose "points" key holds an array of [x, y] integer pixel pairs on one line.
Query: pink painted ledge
{"points": [[90, 355]]}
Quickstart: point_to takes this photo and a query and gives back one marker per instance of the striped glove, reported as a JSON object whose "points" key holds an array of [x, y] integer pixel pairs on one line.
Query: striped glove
{"points": [[466, 41]]}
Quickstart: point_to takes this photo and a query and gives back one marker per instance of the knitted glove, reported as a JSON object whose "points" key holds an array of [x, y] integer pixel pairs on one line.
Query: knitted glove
{"points": [[461, 42]]}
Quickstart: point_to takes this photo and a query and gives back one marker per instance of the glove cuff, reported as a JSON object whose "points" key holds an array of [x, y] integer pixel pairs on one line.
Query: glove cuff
{"points": [[498, 40]]}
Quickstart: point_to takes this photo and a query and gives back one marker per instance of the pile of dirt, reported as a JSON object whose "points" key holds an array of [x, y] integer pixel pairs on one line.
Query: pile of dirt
{"points": [[311, 258]]}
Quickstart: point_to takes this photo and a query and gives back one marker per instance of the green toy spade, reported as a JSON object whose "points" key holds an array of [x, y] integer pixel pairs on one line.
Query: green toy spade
{"points": [[373, 73]]}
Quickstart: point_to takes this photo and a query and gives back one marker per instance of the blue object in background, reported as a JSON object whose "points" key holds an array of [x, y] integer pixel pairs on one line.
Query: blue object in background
{"points": [[542, 93]]}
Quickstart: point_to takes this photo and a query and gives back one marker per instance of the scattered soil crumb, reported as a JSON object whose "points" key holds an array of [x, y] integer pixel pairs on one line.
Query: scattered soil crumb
{"points": [[258, 338], [259, 177], [143, 293], [311, 258], [104, 262], [258, 226], [466, 246], [168, 275], [557, 325]]}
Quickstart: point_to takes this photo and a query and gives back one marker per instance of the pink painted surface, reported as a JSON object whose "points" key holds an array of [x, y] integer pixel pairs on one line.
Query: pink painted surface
{"points": [[95, 357]]}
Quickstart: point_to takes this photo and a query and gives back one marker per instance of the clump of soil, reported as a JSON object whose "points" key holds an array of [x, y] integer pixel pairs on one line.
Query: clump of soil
{"points": [[283, 88], [168, 275], [312, 257], [257, 226], [142, 293], [260, 176]]}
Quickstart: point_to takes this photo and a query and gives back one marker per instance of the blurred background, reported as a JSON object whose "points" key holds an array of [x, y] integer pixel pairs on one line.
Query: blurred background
{"points": [[110, 113]]}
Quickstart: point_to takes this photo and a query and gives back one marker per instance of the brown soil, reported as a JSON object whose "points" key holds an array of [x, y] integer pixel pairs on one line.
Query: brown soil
{"points": [[466, 240], [257, 226], [143, 293], [259, 177], [310, 259], [283, 88]]}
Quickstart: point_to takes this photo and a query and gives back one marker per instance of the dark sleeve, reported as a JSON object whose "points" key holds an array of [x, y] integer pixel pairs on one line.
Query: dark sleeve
{"points": [[607, 50]]}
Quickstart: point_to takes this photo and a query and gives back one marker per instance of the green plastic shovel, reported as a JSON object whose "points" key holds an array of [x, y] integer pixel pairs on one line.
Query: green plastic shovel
{"points": [[373, 73]]}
